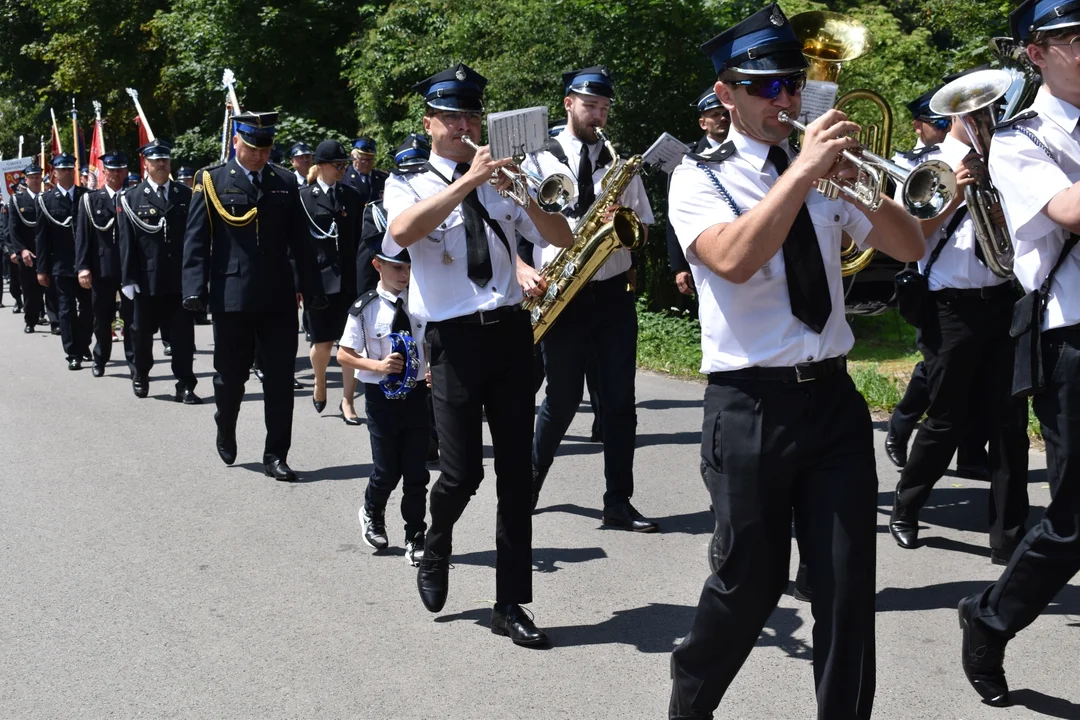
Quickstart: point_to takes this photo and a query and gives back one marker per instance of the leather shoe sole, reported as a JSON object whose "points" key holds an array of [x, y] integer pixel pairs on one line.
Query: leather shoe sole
{"points": [[540, 639], [631, 524], [279, 471]]}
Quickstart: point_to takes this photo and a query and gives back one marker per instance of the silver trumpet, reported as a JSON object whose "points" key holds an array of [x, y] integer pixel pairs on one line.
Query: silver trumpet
{"points": [[553, 192], [926, 191]]}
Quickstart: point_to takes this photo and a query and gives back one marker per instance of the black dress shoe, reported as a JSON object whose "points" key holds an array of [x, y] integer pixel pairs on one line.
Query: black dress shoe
{"points": [[87, 357], [510, 620], [278, 470], [320, 405], [433, 581], [226, 447], [896, 449], [802, 589], [258, 373], [75, 364], [983, 658], [168, 349], [626, 517], [297, 385], [55, 330], [348, 420], [140, 387], [537, 484], [188, 397], [904, 527], [17, 310], [97, 370], [29, 329]]}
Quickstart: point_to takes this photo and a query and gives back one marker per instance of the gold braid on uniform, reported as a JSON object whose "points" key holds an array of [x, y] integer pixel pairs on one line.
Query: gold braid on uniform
{"points": [[211, 195]]}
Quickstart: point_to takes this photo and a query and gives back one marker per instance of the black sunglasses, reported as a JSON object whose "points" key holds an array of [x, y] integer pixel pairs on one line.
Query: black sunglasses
{"points": [[769, 87]]}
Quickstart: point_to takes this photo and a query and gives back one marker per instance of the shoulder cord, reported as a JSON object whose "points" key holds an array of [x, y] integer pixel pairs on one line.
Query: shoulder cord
{"points": [[378, 217], [316, 231], [19, 215], [90, 216], [1031, 136], [721, 189], [54, 221], [415, 194], [211, 194], [152, 229]]}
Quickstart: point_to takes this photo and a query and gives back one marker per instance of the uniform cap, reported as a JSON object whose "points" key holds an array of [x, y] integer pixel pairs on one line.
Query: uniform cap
{"points": [[459, 88], [594, 80], [762, 44]]}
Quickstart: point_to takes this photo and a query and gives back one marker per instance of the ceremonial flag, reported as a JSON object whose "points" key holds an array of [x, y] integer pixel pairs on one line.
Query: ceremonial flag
{"points": [[57, 148], [76, 140], [97, 149], [144, 137], [42, 164]]}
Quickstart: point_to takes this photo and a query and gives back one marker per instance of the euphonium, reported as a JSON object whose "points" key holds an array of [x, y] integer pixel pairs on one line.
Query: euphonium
{"points": [[972, 99], [594, 243]]}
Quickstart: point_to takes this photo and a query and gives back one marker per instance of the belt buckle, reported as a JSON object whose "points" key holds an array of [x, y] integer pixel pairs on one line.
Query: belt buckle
{"points": [[484, 321], [799, 378]]}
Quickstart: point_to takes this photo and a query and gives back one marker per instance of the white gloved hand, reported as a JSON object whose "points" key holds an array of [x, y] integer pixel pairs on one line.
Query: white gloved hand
{"points": [[129, 291]]}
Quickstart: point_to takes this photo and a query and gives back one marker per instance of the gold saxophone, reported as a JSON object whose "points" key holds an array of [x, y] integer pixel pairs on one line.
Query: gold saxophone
{"points": [[594, 242]]}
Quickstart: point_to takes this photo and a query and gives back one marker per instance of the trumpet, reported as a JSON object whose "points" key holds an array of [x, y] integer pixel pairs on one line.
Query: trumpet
{"points": [[926, 191], [553, 192]]}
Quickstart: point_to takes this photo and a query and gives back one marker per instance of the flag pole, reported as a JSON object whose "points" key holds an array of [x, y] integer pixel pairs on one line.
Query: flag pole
{"points": [[75, 139], [56, 131]]}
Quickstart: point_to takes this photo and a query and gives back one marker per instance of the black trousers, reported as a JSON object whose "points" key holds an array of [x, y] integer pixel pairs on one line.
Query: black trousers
{"points": [[971, 451], [1049, 554], [399, 441], [600, 324], [234, 348], [33, 295], [478, 369], [969, 361], [165, 313], [14, 281], [103, 294], [773, 449], [52, 305], [75, 316]]}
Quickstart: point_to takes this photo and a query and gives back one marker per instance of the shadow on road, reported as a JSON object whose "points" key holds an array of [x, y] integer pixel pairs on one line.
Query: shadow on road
{"points": [[1045, 704], [340, 472], [668, 404], [945, 596], [545, 560]]}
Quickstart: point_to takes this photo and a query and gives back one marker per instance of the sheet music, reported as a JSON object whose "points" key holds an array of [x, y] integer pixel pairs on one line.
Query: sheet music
{"points": [[667, 152], [817, 97], [517, 132]]}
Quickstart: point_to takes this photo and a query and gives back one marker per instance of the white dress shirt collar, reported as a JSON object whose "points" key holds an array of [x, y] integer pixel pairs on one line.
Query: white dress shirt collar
{"points": [[572, 143], [33, 195], [753, 151], [154, 186], [112, 193], [325, 188], [444, 166], [1053, 108], [389, 296]]}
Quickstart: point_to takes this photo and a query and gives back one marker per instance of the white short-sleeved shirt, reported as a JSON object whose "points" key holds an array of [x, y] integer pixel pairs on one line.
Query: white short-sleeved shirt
{"points": [[634, 197], [440, 287], [367, 333], [1027, 179], [751, 325], [957, 266]]}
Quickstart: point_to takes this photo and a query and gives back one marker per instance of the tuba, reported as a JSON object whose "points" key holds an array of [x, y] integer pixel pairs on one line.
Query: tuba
{"points": [[594, 242], [972, 100], [1025, 81]]}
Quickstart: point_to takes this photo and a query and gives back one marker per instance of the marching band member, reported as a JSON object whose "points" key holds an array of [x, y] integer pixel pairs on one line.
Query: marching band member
{"points": [[363, 176], [97, 261], [397, 426], [334, 214], [458, 230], [714, 119], [152, 217], [55, 239], [964, 338], [602, 319], [22, 224], [300, 155], [1034, 164], [784, 428], [244, 222]]}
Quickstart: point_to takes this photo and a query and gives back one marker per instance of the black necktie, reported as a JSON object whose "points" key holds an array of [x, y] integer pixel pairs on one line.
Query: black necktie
{"points": [[586, 193], [332, 194], [256, 181], [161, 192], [479, 256], [401, 322], [808, 286]]}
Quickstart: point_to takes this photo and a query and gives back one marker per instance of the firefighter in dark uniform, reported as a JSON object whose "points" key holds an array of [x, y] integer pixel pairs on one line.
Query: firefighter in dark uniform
{"points": [[152, 217], [22, 223], [363, 176], [10, 258], [97, 260], [55, 264], [300, 155], [244, 221], [186, 175]]}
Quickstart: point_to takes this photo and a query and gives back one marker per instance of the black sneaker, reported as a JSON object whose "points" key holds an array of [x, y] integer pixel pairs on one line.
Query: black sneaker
{"points": [[374, 529], [414, 549]]}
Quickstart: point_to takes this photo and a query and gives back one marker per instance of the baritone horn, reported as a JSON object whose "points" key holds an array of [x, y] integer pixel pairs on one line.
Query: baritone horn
{"points": [[553, 192]]}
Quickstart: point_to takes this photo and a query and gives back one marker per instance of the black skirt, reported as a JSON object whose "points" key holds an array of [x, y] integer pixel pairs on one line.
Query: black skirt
{"points": [[328, 324]]}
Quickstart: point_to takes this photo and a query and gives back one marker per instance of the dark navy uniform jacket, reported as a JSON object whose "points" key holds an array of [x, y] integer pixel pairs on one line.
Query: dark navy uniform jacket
{"points": [[98, 250], [335, 258], [20, 235], [55, 237], [153, 260], [247, 268], [371, 187]]}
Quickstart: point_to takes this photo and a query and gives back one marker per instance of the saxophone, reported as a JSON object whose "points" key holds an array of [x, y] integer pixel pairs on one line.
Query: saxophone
{"points": [[594, 242]]}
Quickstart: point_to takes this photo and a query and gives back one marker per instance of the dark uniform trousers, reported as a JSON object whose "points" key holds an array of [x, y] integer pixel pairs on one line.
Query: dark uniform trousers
{"points": [[969, 360], [33, 294], [601, 323], [167, 314], [1049, 554], [477, 369], [398, 429], [905, 418], [772, 447], [103, 294], [14, 280], [75, 316], [235, 334], [51, 300]]}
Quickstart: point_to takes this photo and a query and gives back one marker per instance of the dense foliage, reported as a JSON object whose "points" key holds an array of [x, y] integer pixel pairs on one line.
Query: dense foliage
{"points": [[339, 68]]}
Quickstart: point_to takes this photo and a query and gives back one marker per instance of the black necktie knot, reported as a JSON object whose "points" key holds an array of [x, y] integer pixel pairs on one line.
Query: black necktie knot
{"points": [[401, 322], [779, 159], [462, 168]]}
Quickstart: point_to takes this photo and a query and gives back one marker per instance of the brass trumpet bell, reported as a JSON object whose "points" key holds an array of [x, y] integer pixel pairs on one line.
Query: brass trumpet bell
{"points": [[830, 39]]}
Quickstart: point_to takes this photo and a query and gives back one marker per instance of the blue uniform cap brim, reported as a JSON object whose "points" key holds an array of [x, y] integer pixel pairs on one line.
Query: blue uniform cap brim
{"points": [[1042, 15], [257, 137], [401, 258]]}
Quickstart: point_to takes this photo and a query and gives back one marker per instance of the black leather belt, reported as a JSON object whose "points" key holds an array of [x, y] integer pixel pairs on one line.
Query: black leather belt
{"points": [[483, 317], [803, 372], [985, 293]]}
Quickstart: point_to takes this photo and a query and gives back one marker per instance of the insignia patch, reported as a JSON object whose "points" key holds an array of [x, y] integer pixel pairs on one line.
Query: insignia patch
{"points": [[146, 191], [197, 188], [776, 18], [460, 75], [153, 211], [604, 72], [232, 172]]}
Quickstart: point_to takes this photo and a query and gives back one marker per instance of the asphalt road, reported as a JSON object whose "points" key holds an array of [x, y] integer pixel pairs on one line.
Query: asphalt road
{"points": [[140, 577]]}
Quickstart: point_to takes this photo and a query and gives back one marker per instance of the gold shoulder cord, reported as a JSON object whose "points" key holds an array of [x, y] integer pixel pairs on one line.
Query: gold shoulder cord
{"points": [[212, 198]]}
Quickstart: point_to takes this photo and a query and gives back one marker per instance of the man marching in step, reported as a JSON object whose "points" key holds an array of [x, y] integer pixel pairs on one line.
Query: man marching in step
{"points": [[22, 225], [152, 218]]}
